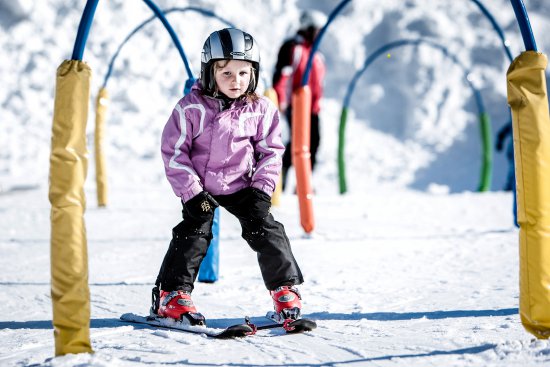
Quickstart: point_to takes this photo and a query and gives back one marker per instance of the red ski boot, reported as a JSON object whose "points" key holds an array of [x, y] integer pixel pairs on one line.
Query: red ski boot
{"points": [[178, 305], [286, 301]]}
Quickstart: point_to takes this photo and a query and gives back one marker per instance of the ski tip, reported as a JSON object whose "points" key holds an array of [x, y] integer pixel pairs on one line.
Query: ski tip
{"points": [[235, 331], [292, 326], [301, 325]]}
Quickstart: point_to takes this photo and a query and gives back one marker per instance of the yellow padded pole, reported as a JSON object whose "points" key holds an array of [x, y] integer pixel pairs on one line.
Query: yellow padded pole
{"points": [[102, 101], [68, 167], [528, 100], [272, 95], [276, 197]]}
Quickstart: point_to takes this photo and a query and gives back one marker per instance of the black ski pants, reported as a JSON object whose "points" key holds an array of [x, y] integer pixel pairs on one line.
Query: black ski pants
{"points": [[191, 238]]}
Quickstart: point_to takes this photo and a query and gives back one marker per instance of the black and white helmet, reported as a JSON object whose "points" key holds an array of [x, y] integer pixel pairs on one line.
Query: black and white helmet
{"points": [[312, 19], [228, 44]]}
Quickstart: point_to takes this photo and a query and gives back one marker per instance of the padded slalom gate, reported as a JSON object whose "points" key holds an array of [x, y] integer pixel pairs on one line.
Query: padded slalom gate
{"points": [[209, 270], [527, 98], [301, 156], [102, 102], [68, 167], [276, 197]]}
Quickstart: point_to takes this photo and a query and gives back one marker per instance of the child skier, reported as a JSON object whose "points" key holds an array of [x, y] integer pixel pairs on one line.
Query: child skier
{"points": [[222, 146]]}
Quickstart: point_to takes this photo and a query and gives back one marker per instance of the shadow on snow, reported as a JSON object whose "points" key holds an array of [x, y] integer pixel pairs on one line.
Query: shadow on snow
{"points": [[219, 323], [402, 316]]}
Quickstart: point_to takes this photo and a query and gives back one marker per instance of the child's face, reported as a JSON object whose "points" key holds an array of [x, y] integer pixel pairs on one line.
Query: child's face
{"points": [[233, 78]]}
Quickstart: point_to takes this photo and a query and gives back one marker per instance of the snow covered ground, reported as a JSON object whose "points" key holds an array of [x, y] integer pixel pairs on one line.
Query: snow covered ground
{"points": [[393, 278], [409, 268]]}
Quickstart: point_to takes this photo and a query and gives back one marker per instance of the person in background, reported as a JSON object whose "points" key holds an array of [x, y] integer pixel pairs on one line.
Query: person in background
{"points": [[222, 146], [289, 70]]}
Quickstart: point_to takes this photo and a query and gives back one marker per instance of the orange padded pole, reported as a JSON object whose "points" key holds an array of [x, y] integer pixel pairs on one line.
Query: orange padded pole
{"points": [[301, 127]]}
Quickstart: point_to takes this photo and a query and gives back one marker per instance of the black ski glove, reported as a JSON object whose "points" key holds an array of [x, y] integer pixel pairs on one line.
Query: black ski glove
{"points": [[201, 207], [258, 202]]}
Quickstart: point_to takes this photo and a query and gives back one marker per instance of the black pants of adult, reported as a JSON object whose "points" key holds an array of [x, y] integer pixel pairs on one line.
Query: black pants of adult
{"points": [[191, 238], [315, 137]]}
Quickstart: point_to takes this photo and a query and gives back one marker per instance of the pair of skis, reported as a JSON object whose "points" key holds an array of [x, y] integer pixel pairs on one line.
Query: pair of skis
{"points": [[234, 331]]}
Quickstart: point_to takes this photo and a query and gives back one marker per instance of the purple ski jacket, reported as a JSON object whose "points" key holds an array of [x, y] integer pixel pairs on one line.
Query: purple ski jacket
{"points": [[221, 151]]}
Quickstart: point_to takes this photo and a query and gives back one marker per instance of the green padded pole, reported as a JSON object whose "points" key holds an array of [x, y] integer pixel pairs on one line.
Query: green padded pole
{"points": [[341, 151], [487, 154]]}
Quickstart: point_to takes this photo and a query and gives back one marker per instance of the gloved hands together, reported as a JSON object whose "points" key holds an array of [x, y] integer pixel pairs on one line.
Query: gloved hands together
{"points": [[258, 202], [255, 201], [201, 206]]}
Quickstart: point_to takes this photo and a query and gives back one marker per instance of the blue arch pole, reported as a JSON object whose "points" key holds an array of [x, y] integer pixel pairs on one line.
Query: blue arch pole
{"points": [[483, 9], [336, 11], [84, 29], [317, 42], [147, 21], [486, 162], [496, 27], [159, 14], [524, 25]]}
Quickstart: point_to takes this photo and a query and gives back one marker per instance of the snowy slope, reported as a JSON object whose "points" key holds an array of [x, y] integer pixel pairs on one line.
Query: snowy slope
{"points": [[435, 125], [409, 268], [405, 278]]}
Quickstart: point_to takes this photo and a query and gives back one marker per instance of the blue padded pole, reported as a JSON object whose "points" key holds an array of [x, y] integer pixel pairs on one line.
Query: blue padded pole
{"points": [[210, 267]]}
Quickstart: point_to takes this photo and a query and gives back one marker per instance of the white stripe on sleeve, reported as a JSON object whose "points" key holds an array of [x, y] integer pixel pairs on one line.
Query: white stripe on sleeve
{"points": [[183, 135], [268, 120]]}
